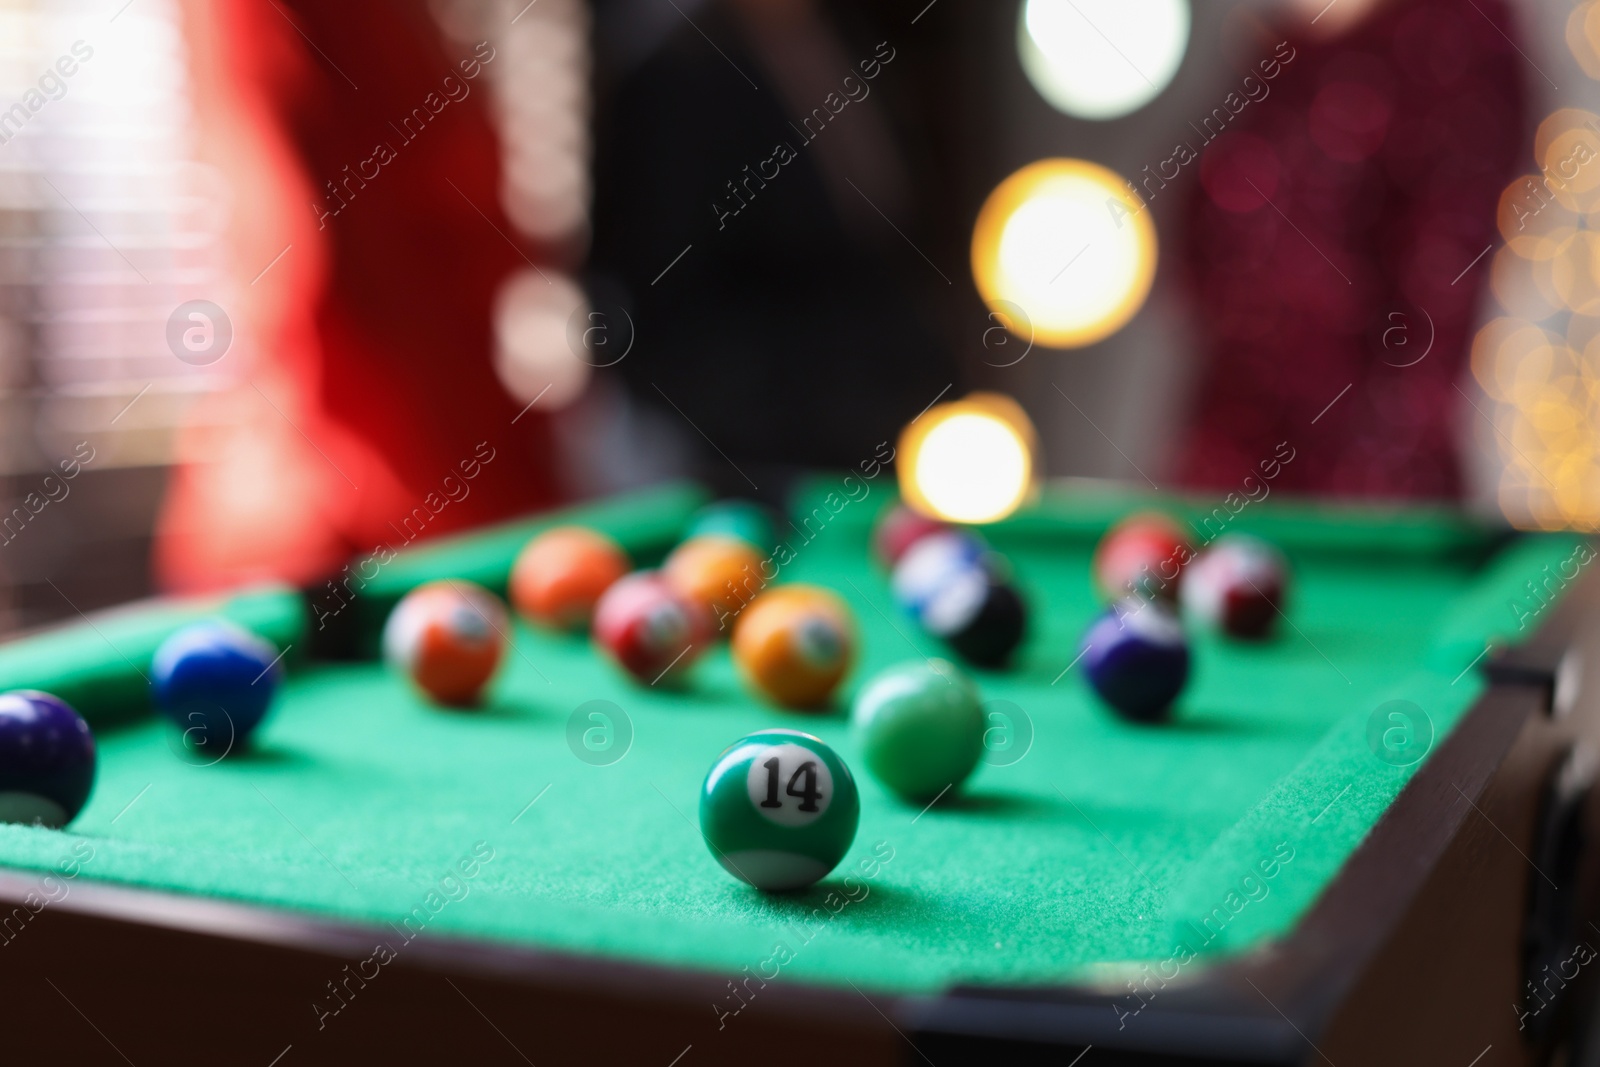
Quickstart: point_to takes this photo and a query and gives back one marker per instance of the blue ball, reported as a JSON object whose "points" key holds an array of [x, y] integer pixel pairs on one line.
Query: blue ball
{"points": [[931, 565], [215, 681], [1136, 658], [46, 759]]}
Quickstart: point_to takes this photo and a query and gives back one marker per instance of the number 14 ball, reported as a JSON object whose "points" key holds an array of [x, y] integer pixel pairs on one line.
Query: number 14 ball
{"points": [[779, 809]]}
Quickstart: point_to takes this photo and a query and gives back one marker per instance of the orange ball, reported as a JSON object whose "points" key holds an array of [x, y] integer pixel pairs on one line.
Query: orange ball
{"points": [[795, 644], [560, 575], [721, 574], [448, 637]]}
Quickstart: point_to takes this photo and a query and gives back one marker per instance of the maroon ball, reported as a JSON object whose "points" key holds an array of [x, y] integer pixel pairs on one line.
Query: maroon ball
{"points": [[648, 628], [1238, 586], [898, 530]]}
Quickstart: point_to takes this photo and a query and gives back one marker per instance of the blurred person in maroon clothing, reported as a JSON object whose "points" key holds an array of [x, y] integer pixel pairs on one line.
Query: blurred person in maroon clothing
{"points": [[368, 411], [1328, 243]]}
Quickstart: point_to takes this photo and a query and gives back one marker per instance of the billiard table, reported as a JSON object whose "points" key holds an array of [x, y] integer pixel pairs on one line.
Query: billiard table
{"points": [[1364, 840]]}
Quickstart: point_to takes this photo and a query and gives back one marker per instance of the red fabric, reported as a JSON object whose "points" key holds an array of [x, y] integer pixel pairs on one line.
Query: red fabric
{"points": [[367, 346], [1384, 152]]}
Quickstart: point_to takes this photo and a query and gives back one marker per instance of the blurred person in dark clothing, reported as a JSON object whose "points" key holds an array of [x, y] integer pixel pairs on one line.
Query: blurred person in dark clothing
{"points": [[755, 195]]}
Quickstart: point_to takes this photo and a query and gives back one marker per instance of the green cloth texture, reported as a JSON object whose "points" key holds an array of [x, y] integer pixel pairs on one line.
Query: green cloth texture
{"points": [[1100, 848]]}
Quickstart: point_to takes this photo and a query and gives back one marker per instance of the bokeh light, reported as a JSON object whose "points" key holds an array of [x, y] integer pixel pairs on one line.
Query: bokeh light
{"points": [[1531, 221], [533, 354], [971, 460], [1575, 273], [1583, 37], [1068, 242], [1546, 394], [1524, 288], [1567, 149], [1101, 59]]}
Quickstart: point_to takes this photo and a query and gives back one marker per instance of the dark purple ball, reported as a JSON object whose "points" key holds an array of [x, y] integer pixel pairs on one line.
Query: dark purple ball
{"points": [[46, 759], [1137, 658]]}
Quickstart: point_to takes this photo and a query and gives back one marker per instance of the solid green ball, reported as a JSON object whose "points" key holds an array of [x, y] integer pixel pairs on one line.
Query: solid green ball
{"points": [[779, 809], [920, 726]]}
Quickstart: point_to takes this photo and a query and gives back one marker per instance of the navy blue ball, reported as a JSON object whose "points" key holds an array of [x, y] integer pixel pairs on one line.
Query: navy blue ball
{"points": [[46, 759], [1136, 658], [215, 682]]}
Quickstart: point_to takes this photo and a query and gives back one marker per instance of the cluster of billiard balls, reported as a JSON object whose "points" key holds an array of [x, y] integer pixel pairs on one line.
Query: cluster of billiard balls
{"points": [[779, 808], [920, 727], [1136, 653], [793, 644], [214, 681]]}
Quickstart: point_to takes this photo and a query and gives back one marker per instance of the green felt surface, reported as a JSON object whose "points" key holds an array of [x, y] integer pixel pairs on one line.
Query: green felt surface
{"points": [[1105, 843]]}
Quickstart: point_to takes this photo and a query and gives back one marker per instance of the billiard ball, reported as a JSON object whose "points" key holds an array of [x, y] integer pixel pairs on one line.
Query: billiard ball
{"points": [[1136, 657], [743, 519], [559, 576], [447, 637], [721, 574], [1142, 556], [215, 681], [978, 614], [1237, 586], [779, 809], [920, 728], [927, 566], [47, 759], [649, 628], [898, 529], [958, 590], [794, 645]]}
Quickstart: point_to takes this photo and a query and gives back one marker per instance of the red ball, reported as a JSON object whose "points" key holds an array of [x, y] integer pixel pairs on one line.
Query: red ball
{"points": [[649, 629], [1142, 556], [1238, 586], [898, 530]]}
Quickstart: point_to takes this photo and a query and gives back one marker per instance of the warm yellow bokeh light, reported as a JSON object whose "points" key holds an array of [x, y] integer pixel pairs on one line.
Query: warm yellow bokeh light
{"points": [[1575, 273], [970, 461], [1583, 37], [1524, 287], [1531, 220], [1508, 354], [1546, 394], [1101, 59], [1567, 148], [1068, 243]]}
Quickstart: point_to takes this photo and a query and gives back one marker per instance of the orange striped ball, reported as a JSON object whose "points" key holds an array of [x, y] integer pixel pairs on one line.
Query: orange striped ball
{"points": [[447, 637], [795, 644]]}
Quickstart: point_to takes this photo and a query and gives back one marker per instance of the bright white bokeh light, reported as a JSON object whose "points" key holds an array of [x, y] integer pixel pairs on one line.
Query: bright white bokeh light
{"points": [[1101, 59], [1066, 242], [973, 468]]}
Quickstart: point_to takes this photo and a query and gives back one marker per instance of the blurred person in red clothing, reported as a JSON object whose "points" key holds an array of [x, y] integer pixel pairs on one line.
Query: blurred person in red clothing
{"points": [[367, 411], [786, 341], [1334, 244]]}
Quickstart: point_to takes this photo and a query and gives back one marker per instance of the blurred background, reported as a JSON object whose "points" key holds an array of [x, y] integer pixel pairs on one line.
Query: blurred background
{"points": [[281, 281]]}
